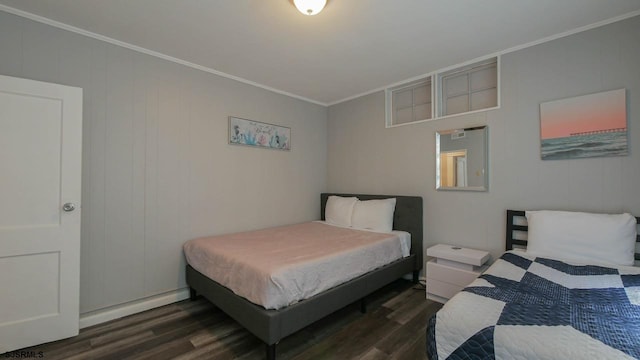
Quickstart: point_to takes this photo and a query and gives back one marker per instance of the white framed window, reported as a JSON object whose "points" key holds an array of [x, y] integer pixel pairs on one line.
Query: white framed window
{"points": [[468, 88], [452, 91], [410, 102]]}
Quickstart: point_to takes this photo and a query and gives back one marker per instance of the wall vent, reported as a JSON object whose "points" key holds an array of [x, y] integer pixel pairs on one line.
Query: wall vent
{"points": [[458, 134]]}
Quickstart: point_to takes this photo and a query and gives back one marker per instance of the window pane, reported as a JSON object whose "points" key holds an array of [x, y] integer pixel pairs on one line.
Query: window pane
{"points": [[422, 112], [402, 98], [422, 94], [484, 99], [404, 116], [457, 104], [468, 88], [409, 102], [484, 78], [455, 84]]}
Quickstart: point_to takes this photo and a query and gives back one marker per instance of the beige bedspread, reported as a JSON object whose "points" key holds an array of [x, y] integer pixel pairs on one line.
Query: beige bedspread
{"points": [[279, 266]]}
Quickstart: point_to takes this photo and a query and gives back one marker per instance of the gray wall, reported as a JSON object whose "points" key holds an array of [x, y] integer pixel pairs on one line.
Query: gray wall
{"points": [[363, 156], [157, 169]]}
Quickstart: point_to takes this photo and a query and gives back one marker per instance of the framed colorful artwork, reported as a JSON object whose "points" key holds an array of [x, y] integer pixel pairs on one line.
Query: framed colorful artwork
{"points": [[258, 134], [586, 126]]}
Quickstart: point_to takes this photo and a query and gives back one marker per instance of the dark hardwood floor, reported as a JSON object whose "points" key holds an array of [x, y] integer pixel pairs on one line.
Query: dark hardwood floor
{"points": [[393, 328]]}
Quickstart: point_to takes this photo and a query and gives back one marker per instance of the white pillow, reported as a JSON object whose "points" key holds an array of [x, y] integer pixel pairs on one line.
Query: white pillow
{"points": [[582, 237], [376, 215], [338, 210]]}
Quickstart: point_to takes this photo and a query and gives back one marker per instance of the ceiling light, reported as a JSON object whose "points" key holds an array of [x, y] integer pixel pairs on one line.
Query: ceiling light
{"points": [[310, 7]]}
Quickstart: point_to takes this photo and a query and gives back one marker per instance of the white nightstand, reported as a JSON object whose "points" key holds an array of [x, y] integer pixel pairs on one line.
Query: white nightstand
{"points": [[451, 269]]}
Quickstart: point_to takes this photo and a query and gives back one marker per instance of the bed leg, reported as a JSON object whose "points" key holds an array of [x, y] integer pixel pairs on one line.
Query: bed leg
{"points": [[416, 276], [271, 352], [192, 294], [363, 305]]}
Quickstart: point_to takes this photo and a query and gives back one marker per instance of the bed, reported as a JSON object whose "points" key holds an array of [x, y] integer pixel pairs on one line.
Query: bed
{"points": [[527, 306], [272, 325]]}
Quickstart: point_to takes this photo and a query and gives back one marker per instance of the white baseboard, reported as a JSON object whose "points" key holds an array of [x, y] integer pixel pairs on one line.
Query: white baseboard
{"points": [[130, 308], [134, 307]]}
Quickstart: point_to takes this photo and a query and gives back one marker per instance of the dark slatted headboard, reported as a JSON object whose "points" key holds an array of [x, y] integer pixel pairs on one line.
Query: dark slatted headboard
{"points": [[407, 217], [511, 227]]}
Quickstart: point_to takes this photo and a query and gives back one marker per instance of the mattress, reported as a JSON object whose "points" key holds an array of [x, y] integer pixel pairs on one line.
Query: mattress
{"points": [[525, 307], [279, 266]]}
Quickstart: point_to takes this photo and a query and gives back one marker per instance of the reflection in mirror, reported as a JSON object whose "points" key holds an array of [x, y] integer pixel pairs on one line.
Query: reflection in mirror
{"points": [[461, 159]]}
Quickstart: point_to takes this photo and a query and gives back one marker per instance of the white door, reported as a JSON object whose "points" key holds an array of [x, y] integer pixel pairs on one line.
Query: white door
{"points": [[40, 160], [461, 171]]}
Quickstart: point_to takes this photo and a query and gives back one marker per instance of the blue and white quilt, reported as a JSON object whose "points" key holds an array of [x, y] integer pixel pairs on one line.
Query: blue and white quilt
{"points": [[525, 307]]}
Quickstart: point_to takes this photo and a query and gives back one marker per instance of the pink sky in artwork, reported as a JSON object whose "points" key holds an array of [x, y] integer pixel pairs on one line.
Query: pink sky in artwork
{"points": [[593, 112]]}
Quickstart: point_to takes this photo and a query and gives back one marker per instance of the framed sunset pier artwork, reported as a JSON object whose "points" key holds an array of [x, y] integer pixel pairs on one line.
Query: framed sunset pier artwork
{"points": [[585, 126]]}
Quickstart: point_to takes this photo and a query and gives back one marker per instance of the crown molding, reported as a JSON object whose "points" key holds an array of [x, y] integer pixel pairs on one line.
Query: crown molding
{"points": [[63, 26]]}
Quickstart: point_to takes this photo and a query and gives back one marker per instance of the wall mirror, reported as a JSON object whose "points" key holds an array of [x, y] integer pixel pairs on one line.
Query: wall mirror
{"points": [[462, 159]]}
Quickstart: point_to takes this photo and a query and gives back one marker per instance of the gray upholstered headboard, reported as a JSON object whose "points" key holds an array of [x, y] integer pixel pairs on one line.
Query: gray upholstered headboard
{"points": [[407, 217]]}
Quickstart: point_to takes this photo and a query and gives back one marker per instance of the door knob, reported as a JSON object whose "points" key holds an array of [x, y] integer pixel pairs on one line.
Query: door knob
{"points": [[68, 207]]}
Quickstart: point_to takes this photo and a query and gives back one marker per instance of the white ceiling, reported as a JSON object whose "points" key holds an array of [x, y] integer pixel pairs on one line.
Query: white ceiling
{"points": [[351, 48]]}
